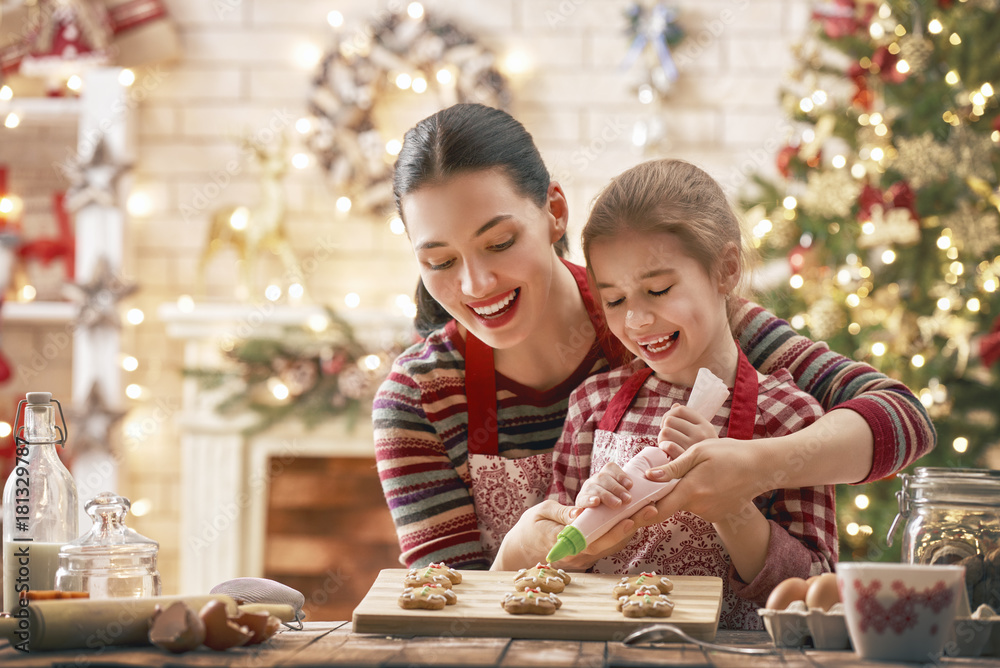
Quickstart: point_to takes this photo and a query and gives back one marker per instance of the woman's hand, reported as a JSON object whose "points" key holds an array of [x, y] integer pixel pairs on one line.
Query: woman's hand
{"points": [[610, 543], [609, 486], [719, 478], [529, 541]]}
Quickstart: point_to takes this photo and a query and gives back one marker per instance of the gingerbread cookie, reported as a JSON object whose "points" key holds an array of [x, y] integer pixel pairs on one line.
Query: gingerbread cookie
{"points": [[433, 574], [531, 602], [428, 597], [542, 576], [628, 585], [646, 602]]}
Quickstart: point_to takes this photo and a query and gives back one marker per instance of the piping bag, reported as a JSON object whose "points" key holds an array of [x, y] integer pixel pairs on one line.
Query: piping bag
{"points": [[707, 397]]}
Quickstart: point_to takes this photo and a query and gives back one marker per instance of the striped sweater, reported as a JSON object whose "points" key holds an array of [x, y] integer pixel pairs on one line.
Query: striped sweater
{"points": [[420, 421]]}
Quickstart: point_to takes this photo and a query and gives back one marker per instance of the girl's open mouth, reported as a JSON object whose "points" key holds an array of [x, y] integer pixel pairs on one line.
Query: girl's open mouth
{"points": [[661, 344]]}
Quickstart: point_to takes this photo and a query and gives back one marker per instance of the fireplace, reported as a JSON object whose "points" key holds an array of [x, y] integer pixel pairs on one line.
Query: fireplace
{"points": [[278, 504]]}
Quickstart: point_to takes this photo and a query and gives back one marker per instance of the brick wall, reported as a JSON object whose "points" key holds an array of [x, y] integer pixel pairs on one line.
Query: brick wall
{"points": [[240, 72]]}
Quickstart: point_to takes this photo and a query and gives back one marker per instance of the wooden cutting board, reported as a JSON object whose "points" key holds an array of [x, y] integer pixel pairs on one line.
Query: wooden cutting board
{"points": [[588, 611]]}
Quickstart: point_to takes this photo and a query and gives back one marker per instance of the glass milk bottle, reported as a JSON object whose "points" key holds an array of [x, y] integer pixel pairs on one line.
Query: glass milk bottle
{"points": [[40, 504]]}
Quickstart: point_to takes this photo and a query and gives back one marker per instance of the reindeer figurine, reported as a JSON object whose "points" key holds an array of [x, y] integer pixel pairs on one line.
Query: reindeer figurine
{"points": [[251, 231]]}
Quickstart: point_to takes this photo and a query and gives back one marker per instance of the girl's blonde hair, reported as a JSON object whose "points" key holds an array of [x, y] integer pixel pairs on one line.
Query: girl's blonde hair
{"points": [[676, 197]]}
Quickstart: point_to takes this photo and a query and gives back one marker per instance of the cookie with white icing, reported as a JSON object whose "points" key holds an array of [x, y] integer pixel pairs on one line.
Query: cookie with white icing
{"points": [[646, 602], [432, 574], [542, 576], [427, 597], [531, 601], [628, 585]]}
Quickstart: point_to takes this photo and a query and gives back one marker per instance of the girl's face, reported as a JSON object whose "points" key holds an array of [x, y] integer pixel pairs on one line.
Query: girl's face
{"points": [[485, 252], [662, 304]]}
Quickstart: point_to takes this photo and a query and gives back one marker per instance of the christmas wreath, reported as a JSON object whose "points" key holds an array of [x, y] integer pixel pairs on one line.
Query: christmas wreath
{"points": [[306, 375], [408, 51]]}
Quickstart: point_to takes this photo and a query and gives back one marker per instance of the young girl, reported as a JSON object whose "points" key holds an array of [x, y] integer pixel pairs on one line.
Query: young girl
{"points": [[664, 250]]}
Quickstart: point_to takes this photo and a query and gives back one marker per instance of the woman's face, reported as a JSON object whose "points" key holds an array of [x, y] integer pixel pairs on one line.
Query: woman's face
{"points": [[485, 252]]}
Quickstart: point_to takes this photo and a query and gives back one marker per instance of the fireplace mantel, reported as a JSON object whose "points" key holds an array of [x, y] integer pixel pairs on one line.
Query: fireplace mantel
{"points": [[225, 475]]}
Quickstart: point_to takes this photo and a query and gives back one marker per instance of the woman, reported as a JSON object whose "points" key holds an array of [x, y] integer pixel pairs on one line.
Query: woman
{"points": [[467, 419]]}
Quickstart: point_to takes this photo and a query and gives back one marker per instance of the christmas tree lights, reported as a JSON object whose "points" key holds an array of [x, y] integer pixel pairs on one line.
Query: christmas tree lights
{"points": [[885, 212]]}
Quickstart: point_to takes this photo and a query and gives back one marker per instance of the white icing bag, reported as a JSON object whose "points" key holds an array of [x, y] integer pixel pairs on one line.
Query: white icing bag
{"points": [[708, 394]]}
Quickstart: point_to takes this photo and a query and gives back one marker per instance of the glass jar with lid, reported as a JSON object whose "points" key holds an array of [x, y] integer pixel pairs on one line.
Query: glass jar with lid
{"points": [[952, 516], [111, 560]]}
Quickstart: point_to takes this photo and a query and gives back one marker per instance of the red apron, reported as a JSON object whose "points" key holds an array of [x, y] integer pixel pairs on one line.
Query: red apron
{"points": [[685, 544]]}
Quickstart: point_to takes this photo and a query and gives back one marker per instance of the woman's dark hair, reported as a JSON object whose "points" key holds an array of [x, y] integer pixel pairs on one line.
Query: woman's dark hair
{"points": [[460, 139]]}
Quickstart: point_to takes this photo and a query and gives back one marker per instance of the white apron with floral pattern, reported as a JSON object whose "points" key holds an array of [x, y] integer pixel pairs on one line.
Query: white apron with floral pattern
{"points": [[685, 544], [503, 489]]}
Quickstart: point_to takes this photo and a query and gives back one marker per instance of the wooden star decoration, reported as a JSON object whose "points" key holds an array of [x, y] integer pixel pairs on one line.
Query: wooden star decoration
{"points": [[98, 299], [96, 180], [92, 423]]}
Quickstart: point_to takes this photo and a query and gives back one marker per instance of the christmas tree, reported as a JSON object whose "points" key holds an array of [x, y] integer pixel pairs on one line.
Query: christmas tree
{"points": [[885, 213]]}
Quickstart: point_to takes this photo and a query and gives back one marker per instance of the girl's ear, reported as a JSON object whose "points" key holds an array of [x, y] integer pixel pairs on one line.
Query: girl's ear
{"points": [[729, 269], [558, 208]]}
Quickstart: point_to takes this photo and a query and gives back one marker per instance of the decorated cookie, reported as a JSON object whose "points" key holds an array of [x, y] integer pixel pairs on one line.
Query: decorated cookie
{"points": [[646, 602], [531, 601], [428, 597], [440, 569], [433, 574], [542, 576], [628, 585]]}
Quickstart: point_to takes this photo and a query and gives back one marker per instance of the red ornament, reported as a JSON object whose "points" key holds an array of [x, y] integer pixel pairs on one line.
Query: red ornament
{"points": [[63, 245], [944, 4], [996, 123], [989, 345], [898, 196], [886, 62], [863, 97], [784, 159]]}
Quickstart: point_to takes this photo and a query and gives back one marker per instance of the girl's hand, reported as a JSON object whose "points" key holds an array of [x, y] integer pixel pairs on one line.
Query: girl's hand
{"points": [[681, 428], [609, 486], [719, 478]]}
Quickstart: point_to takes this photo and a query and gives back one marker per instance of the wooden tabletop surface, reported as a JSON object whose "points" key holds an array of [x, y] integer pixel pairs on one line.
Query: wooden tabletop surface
{"points": [[334, 644]]}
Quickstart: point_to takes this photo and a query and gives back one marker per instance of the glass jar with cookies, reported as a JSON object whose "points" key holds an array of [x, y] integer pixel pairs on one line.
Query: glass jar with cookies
{"points": [[952, 516]]}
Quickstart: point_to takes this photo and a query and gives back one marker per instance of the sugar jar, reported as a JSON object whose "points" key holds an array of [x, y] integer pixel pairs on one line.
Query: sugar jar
{"points": [[111, 560], [952, 516]]}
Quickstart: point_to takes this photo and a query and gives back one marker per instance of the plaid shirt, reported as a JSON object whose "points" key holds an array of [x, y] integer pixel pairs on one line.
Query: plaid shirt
{"points": [[803, 521]]}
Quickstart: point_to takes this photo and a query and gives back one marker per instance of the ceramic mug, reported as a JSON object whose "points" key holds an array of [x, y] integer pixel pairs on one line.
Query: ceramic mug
{"points": [[901, 612]]}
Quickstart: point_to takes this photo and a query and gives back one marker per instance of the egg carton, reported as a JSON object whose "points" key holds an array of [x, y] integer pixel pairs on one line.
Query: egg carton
{"points": [[977, 634], [796, 626], [972, 635]]}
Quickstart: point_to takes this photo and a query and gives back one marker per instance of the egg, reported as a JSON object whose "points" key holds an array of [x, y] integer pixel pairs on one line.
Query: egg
{"points": [[786, 592], [823, 593]]}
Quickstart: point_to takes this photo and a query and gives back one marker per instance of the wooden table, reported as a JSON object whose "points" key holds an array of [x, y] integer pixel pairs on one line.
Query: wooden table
{"points": [[334, 644]]}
